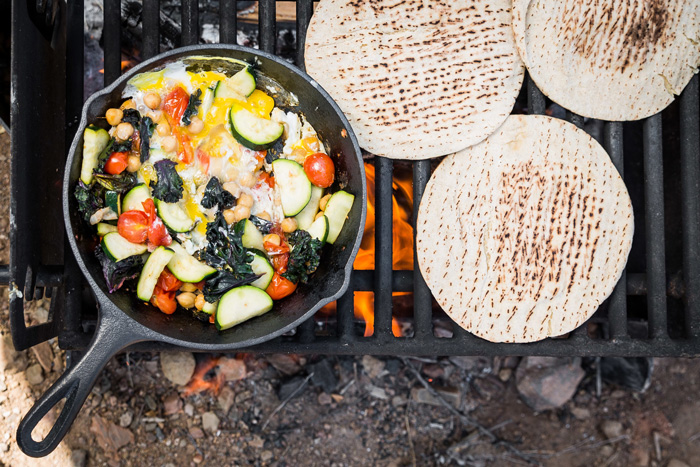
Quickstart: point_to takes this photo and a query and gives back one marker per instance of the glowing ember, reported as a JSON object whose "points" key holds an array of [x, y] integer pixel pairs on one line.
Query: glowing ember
{"points": [[125, 65], [201, 380]]}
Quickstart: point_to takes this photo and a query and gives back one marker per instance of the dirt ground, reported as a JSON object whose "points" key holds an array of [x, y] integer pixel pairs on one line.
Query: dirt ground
{"points": [[316, 410]]}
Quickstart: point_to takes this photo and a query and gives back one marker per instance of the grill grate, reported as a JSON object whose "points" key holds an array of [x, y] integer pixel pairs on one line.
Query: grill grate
{"points": [[659, 294]]}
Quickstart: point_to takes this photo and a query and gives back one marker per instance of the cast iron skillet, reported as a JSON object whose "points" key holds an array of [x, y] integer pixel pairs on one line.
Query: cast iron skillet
{"points": [[124, 320]]}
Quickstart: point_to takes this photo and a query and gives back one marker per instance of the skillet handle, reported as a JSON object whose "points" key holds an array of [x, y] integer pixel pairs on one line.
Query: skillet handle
{"points": [[74, 385]]}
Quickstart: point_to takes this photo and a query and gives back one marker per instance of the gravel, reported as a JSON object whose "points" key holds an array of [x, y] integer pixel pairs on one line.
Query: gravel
{"points": [[177, 367], [34, 374]]}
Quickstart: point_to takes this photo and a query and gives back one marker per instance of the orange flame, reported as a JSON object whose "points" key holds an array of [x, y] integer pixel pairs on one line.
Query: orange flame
{"points": [[199, 383], [124, 65], [402, 257]]}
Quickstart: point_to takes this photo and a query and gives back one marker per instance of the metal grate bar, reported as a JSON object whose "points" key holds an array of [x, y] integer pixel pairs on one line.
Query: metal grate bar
{"points": [[304, 10], [190, 22], [306, 331], [267, 25], [690, 194], [383, 246], [575, 119], [345, 311], [228, 19], [151, 28], [654, 226], [112, 40], [422, 301], [617, 310], [535, 98]]}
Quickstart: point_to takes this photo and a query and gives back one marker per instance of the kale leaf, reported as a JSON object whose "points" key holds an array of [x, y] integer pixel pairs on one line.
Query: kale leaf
{"points": [[116, 272], [132, 116], [120, 183], [304, 257], [264, 226], [191, 109], [168, 188], [145, 132], [89, 200], [222, 282], [124, 146], [215, 195]]}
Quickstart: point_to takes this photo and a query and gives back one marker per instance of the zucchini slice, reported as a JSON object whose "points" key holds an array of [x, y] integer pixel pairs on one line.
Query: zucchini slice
{"points": [[117, 247], [241, 304], [319, 229], [207, 102], [186, 267], [151, 271], [174, 216], [95, 140], [133, 200], [210, 308], [112, 201], [251, 131], [261, 265], [294, 186], [242, 82], [104, 228], [252, 238], [337, 211], [306, 217]]}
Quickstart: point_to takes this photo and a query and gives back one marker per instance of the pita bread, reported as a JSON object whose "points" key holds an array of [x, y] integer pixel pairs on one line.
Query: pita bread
{"points": [[609, 59], [522, 236], [416, 78]]}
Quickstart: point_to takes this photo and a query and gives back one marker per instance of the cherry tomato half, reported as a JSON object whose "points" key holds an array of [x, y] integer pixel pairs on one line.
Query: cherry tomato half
{"points": [[168, 282], [280, 287], [175, 104], [265, 177], [186, 155], [165, 301], [273, 249], [320, 169], [157, 233], [133, 226], [116, 163], [279, 262]]}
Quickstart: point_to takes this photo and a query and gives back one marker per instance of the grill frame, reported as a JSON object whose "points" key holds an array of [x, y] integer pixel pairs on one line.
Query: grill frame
{"points": [[38, 267]]}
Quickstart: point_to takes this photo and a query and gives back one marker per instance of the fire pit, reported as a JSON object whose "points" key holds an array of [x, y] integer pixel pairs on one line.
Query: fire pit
{"points": [[655, 309]]}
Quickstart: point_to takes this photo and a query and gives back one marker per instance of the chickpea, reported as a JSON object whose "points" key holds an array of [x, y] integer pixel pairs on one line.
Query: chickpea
{"points": [[196, 125], [324, 201], [246, 200], [124, 131], [231, 173], [264, 215], [232, 187], [289, 225], [156, 115], [187, 299], [319, 214], [229, 216], [199, 302], [240, 213], [272, 238], [152, 100], [168, 144], [246, 179], [163, 128], [188, 287], [133, 164], [128, 104], [114, 116]]}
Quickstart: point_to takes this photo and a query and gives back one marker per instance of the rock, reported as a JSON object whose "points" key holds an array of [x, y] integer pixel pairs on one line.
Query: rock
{"points": [[471, 363], [266, 456], [423, 396], [433, 370], [611, 429], [109, 436], [189, 410], [257, 442], [197, 458], [546, 382], [373, 366], [324, 398], [607, 451], [288, 387], [172, 404], [125, 419], [210, 422], [4, 447], [510, 362], [196, 432], [232, 369], [581, 413], [639, 456], [286, 364], [225, 399], [323, 375], [34, 375], [337, 397], [9, 357], [398, 401], [177, 367], [377, 393], [78, 458], [505, 374], [41, 315], [393, 366], [44, 355], [676, 463]]}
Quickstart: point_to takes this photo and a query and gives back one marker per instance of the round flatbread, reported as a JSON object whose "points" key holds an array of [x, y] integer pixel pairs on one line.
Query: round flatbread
{"points": [[522, 236], [609, 59], [416, 78]]}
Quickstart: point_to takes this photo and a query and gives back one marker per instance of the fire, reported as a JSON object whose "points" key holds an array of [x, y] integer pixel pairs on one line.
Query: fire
{"points": [[200, 382], [124, 64], [402, 257]]}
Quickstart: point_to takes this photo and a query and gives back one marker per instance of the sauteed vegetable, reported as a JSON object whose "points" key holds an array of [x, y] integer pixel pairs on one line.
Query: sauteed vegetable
{"points": [[208, 193]]}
